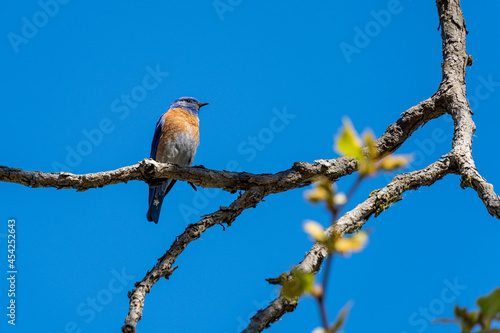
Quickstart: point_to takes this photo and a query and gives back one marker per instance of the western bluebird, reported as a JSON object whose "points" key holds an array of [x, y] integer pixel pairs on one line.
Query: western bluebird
{"points": [[175, 141]]}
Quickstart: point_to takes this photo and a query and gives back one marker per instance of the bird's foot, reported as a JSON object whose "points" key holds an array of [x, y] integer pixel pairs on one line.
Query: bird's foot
{"points": [[193, 186]]}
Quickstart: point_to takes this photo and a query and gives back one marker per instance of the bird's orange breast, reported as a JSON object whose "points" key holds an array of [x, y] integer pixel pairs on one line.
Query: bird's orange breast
{"points": [[175, 121]]}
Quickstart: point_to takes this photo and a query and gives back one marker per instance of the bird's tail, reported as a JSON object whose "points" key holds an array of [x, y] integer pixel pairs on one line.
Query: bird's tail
{"points": [[156, 195]]}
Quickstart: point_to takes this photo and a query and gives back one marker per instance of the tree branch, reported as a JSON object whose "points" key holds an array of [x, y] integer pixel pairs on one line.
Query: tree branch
{"points": [[351, 221], [300, 174], [193, 231], [453, 34]]}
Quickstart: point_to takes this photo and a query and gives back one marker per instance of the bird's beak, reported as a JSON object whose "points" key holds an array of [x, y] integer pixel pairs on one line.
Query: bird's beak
{"points": [[202, 104]]}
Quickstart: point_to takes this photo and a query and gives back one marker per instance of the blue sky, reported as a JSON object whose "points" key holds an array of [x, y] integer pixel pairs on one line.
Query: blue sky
{"points": [[275, 73]]}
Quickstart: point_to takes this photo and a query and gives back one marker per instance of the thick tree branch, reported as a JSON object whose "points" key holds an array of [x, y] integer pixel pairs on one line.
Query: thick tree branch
{"points": [[453, 34], [299, 175], [462, 151], [351, 221], [164, 267]]}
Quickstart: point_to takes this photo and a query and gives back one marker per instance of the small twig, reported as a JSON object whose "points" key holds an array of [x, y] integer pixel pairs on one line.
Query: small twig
{"points": [[329, 259], [354, 187], [326, 274], [323, 313]]}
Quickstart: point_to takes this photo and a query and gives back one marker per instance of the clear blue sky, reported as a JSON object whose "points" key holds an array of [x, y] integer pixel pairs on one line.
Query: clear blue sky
{"points": [[69, 81]]}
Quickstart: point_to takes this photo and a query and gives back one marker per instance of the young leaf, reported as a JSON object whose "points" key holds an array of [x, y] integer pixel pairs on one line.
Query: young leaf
{"points": [[321, 192], [340, 199], [315, 230], [490, 304], [341, 318], [370, 143], [319, 330], [299, 283], [355, 243], [348, 141], [395, 162]]}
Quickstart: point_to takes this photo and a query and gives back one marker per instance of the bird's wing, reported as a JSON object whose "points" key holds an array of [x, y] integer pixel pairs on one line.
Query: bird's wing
{"points": [[156, 137]]}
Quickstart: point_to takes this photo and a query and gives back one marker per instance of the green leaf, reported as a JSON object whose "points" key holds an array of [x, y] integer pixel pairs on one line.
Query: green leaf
{"points": [[322, 191], [490, 304], [341, 318], [355, 243], [395, 162], [315, 230], [370, 143], [349, 142], [299, 283]]}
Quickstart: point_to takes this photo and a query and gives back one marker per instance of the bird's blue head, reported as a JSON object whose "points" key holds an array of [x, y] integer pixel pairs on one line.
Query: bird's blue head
{"points": [[188, 103]]}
